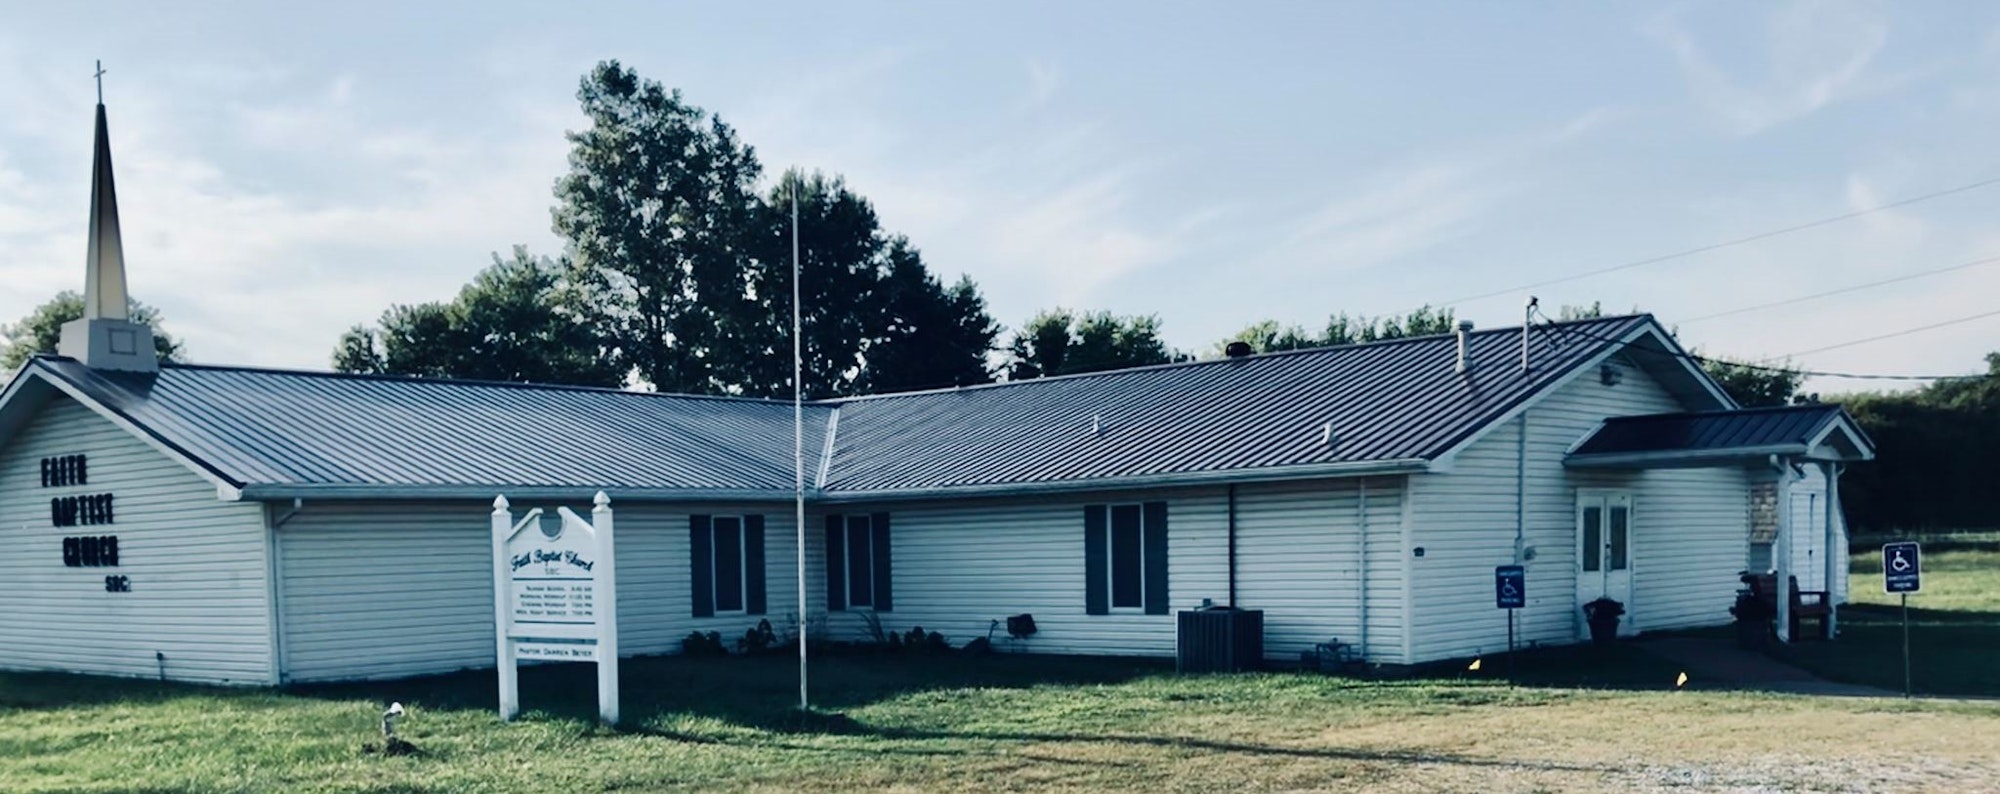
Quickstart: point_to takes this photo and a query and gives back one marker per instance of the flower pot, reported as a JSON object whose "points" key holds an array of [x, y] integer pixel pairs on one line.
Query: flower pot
{"points": [[1602, 617], [1603, 631]]}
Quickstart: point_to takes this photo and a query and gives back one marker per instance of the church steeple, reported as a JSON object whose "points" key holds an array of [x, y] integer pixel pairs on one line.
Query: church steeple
{"points": [[106, 338]]}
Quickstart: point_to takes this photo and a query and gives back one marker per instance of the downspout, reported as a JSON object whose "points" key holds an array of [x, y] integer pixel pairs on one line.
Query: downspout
{"points": [[1521, 444], [1232, 544], [1361, 565], [275, 589], [1833, 558], [1521, 489]]}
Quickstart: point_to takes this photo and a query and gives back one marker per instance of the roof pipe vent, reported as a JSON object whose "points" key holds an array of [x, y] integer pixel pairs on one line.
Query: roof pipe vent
{"points": [[1527, 322], [1097, 426], [1464, 347]]}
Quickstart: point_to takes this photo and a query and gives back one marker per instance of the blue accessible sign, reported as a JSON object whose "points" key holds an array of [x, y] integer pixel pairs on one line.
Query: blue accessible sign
{"points": [[1510, 587], [1902, 571]]}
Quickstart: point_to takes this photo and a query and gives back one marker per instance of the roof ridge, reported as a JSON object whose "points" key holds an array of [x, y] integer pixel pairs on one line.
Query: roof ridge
{"points": [[1204, 362], [391, 378]]}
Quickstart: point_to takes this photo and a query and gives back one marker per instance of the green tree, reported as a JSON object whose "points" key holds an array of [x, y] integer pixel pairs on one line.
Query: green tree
{"points": [[935, 337], [660, 210], [874, 319], [40, 331], [1754, 386], [1271, 336], [511, 323], [1936, 449], [1066, 342]]}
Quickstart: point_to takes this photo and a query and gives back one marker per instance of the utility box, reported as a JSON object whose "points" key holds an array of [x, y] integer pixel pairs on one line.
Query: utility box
{"points": [[1219, 640]]}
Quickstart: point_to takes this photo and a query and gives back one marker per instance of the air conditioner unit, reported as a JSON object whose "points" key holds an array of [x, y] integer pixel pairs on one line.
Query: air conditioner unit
{"points": [[1219, 640]]}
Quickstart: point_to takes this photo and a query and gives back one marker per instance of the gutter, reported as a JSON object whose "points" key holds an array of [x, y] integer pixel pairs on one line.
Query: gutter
{"points": [[1744, 455], [1306, 472], [581, 493], [349, 491]]}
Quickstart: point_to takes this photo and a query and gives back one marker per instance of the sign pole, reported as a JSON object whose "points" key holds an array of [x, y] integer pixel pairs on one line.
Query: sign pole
{"points": [[1906, 646], [1903, 574], [510, 689], [606, 610], [1510, 592]]}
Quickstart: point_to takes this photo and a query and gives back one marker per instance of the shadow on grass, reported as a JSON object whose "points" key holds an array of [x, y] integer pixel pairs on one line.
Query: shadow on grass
{"points": [[1952, 652], [1621, 666], [39, 690], [758, 692]]}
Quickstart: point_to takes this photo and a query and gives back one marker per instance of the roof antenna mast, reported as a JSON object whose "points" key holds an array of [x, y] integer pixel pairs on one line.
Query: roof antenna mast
{"points": [[799, 440]]}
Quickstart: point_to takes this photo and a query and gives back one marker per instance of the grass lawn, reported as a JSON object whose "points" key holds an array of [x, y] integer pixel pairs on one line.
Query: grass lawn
{"points": [[1954, 626], [997, 723]]}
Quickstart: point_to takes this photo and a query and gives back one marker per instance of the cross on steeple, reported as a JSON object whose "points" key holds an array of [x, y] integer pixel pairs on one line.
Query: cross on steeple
{"points": [[100, 82]]}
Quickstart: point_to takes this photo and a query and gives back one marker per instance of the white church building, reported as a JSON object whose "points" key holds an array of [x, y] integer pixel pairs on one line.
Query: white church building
{"points": [[258, 526]]}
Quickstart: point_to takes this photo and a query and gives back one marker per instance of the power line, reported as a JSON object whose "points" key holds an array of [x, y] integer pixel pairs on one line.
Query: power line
{"points": [[1843, 290], [1698, 359], [1904, 332], [1730, 243]]}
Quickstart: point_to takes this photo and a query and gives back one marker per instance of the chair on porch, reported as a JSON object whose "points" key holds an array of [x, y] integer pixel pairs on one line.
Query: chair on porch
{"points": [[1814, 604]]}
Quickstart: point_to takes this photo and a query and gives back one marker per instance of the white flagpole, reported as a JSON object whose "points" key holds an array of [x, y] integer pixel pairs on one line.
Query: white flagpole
{"points": [[799, 440]]}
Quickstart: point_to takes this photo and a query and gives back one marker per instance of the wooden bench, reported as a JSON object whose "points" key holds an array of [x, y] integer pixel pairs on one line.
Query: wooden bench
{"points": [[1805, 603]]}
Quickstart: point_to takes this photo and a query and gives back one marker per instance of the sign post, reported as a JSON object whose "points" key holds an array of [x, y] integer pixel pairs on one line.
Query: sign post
{"points": [[1510, 592], [555, 598], [1903, 574]]}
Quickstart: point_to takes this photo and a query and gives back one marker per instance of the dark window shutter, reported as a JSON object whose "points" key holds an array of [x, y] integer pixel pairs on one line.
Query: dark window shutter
{"points": [[1156, 558], [882, 577], [1096, 587], [701, 566], [753, 563], [836, 565]]}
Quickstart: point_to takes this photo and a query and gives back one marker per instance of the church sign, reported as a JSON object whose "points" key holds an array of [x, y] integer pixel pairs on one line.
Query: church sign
{"points": [[555, 597]]}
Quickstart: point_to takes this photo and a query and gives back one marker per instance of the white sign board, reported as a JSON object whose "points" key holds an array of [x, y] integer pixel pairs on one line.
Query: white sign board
{"points": [[554, 597]]}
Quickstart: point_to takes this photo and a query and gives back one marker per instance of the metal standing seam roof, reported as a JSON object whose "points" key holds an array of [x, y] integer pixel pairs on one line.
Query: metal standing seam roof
{"points": [[1711, 431], [1385, 402], [265, 427], [1399, 400]]}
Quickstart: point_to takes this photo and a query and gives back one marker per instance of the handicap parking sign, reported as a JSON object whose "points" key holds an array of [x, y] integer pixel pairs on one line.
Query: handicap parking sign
{"points": [[1902, 569], [1510, 587]]}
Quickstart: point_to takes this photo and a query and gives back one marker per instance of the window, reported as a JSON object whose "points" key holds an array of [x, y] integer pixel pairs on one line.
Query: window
{"points": [[857, 562], [726, 564], [1125, 558]]}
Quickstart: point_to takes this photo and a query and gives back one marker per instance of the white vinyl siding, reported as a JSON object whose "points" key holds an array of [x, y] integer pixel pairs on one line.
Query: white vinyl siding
{"points": [[386, 590], [1689, 529], [960, 565], [196, 564], [1299, 558]]}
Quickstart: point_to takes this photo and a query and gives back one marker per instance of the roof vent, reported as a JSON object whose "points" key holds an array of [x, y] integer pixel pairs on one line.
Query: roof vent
{"points": [[1236, 349], [1464, 346], [1097, 426]]}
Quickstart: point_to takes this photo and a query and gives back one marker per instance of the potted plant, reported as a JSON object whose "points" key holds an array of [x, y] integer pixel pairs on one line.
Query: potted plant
{"points": [[1602, 616], [1753, 620]]}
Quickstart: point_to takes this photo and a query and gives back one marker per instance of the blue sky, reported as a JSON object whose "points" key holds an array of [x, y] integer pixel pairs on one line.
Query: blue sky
{"points": [[288, 170]]}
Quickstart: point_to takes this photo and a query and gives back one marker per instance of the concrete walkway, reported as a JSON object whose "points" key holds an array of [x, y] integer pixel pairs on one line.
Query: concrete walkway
{"points": [[1718, 664]]}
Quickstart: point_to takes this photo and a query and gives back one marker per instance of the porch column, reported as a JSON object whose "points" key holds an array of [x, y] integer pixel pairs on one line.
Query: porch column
{"points": [[1831, 471], [1782, 549]]}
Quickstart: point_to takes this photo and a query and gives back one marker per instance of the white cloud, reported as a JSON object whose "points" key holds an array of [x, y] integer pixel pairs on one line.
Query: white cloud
{"points": [[1043, 81], [1817, 54]]}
